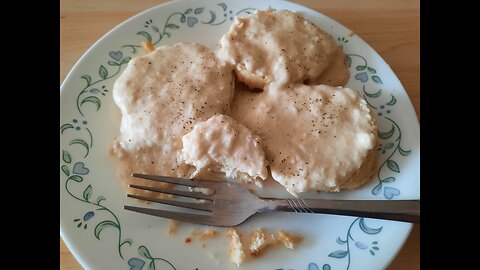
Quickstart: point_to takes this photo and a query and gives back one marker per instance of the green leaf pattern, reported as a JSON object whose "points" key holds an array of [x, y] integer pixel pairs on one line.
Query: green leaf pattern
{"points": [[96, 101], [403, 152], [224, 6], [172, 26], [360, 68], [99, 199], [393, 136], [143, 251], [76, 178], [389, 179], [87, 78], [81, 143], [103, 72], [65, 170], [66, 156], [377, 79], [367, 229], [392, 165], [213, 17], [146, 35], [338, 254], [87, 193], [65, 127], [373, 95], [340, 241], [386, 135], [103, 225], [392, 101], [376, 190], [112, 63], [350, 242]]}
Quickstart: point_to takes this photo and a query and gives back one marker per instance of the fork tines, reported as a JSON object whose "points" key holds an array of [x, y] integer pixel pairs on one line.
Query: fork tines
{"points": [[166, 179], [189, 194], [196, 218], [206, 205]]}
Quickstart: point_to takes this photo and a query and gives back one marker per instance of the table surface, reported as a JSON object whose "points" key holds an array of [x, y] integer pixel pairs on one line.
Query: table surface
{"points": [[391, 27]]}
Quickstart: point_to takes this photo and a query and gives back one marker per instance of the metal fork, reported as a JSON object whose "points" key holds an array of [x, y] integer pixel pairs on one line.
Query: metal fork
{"points": [[231, 204]]}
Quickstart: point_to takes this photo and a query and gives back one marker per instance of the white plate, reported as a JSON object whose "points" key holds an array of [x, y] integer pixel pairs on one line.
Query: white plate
{"points": [[102, 235]]}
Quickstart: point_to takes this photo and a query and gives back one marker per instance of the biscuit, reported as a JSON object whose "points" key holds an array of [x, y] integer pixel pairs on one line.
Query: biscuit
{"points": [[315, 137], [336, 74], [223, 145], [276, 46], [161, 96]]}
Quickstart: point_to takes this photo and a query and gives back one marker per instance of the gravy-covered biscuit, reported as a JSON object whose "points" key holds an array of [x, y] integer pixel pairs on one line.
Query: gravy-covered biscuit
{"points": [[221, 144], [315, 137], [336, 74], [276, 46], [161, 96]]}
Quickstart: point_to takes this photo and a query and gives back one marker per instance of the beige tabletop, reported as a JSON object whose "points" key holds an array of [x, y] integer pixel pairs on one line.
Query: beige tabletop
{"points": [[391, 27]]}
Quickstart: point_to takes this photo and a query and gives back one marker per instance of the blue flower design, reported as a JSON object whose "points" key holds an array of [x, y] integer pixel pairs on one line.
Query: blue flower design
{"points": [[136, 263], [361, 245], [229, 15], [117, 56], [389, 192], [374, 243], [382, 110], [191, 21], [148, 23], [346, 251], [95, 91], [89, 215], [79, 123], [362, 76], [385, 147]]}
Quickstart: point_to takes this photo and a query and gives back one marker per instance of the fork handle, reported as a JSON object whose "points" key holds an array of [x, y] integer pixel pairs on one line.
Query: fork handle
{"points": [[398, 210]]}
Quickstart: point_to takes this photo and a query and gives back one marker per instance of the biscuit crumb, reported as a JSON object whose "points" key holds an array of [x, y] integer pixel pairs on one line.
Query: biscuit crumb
{"points": [[148, 46], [172, 227], [260, 240], [188, 240], [235, 247], [351, 33], [205, 234], [289, 240]]}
